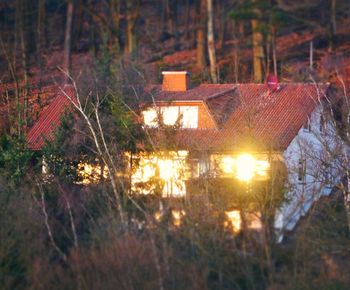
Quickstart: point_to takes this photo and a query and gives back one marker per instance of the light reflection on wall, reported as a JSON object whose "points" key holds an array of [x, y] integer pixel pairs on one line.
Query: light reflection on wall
{"points": [[176, 215], [234, 221], [169, 168]]}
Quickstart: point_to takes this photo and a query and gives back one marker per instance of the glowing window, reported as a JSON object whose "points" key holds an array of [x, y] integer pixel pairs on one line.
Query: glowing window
{"points": [[189, 116], [186, 115], [170, 115], [150, 117], [244, 167]]}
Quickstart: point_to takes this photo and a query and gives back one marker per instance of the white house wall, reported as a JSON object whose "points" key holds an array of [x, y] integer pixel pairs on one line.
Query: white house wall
{"points": [[309, 145]]}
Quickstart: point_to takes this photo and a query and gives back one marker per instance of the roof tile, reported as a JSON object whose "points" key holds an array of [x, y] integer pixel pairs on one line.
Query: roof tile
{"points": [[49, 119]]}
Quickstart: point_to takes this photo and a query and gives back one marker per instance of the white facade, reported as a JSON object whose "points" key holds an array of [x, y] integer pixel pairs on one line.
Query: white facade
{"points": [[311, 160]]}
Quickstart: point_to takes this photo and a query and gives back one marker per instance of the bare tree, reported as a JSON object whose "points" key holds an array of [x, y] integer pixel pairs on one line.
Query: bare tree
{"points": [[68, 37], [98, 137]]}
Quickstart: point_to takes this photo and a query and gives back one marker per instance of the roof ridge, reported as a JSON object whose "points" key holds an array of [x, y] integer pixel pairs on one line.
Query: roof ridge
{"points": [[220, 94]]}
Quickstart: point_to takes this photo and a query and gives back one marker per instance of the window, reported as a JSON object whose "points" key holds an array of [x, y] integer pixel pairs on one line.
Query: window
{"points": [[170, 115], [301, 170], [187, 115], [150, 117]]}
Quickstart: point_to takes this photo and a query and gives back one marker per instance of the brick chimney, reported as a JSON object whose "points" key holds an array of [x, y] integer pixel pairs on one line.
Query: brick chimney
{"points": [[176, 81]]}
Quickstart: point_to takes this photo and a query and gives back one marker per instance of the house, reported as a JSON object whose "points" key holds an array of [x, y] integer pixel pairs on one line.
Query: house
{"points": [[226, 132], [236, 132], [44, 129]]}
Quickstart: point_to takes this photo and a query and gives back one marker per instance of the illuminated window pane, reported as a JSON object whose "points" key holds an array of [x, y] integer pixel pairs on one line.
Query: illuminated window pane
{"points": [[170, 115], [189, 116], [150, 117]]}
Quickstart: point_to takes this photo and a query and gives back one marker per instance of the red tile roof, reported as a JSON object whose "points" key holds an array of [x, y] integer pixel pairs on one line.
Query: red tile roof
{"points": [[50, 118], [251, 115], [199, 93], [247, 114]]}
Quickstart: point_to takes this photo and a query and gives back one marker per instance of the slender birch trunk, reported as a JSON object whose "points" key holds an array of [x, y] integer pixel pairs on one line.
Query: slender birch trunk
{"points": [[211, 42]]}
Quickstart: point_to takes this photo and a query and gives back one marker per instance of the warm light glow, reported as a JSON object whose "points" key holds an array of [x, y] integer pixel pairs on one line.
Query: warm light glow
{"points": [[262, 167], [245, 167], [90, 173], [234, 220], [150, 117], [228, 164], [186, 115], [166, 169], [189, 116], [254, 221], [169, 168], [177, 217], [170, 115]]}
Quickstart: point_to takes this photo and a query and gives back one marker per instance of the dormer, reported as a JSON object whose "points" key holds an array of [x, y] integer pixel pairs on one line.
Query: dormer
{"points": [[176, 102]]}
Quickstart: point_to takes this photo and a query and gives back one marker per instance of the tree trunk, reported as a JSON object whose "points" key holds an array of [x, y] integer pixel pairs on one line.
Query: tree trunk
{"points": [[333, 16], [201, 17], [188, 19], [24, 58], [67, 37], [221, 23], [211, 42], [311, 55], [174, 30], [258, 52], [78, 21], [333, 25], [235, 55], [40, 35], [274, 52], [115, 18], [132, 14]]}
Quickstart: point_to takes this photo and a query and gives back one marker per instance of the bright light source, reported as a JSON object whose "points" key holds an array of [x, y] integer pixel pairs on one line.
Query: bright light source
{"points": [[245, 167], [166, 169]]}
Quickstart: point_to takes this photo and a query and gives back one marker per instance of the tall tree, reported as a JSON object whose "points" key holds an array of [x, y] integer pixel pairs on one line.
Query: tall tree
{"points": [[40, 34], [211, 42], [258, 51], [68, 37], [200, 33], [132, 15]]}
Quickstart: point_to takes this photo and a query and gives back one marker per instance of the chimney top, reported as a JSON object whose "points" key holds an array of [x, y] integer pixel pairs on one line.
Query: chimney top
{"points": [[176, 81]]}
